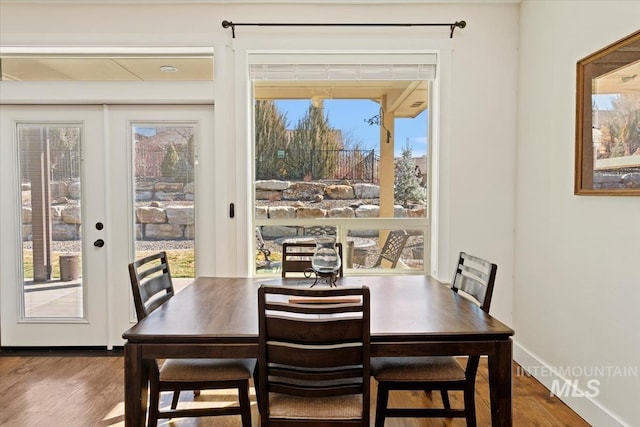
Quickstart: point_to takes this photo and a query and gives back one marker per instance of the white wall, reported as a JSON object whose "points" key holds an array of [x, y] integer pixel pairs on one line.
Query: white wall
{"points": [[478, 116], [577, 272]]}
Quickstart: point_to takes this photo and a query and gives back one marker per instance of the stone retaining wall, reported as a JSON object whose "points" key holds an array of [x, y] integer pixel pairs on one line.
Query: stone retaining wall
{"points": [[168, 215]]}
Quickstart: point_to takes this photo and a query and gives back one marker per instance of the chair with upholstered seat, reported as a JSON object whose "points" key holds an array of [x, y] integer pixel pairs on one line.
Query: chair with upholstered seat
{"points": [[475, 279], [314, 356], [152, 286]]}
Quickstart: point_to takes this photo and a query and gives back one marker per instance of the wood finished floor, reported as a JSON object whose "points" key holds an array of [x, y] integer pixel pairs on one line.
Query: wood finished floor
{"points": [[79, 391]]}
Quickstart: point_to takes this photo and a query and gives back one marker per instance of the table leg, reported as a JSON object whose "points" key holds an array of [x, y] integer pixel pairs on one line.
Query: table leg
{"points": [[136, 384], [500, 383]]}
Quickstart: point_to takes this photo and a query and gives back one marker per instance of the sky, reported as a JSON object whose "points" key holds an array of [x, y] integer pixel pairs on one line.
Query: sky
{"points": [[349, 116], [603, 101]]}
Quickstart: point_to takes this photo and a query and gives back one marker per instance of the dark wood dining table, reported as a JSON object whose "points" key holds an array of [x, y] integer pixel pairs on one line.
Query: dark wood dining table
{"points": [[410, 316]]}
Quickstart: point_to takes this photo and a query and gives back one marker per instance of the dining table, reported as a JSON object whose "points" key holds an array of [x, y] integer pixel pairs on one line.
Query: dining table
{"points": [[411, 315]]}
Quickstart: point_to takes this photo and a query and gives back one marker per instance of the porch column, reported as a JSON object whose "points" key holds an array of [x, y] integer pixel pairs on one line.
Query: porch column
{"points": [[387, 161], [37, 154]]}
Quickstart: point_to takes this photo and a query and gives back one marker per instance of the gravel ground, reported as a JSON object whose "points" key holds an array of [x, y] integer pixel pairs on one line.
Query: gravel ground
{"points": [[149, 245]]}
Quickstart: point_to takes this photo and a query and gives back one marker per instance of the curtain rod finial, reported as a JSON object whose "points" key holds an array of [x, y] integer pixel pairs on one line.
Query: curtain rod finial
{"points": [[457, 24], [227, 24]]}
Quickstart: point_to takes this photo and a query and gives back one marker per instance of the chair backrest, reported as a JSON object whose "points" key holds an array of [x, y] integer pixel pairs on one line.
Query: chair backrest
{"points": [[296, 257], [150, 283], [392, 248], [475, 277], [314, 343], [320, 230]]}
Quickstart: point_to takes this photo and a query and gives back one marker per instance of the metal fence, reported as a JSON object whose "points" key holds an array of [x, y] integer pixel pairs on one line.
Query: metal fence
{"points": [[352, 165]]}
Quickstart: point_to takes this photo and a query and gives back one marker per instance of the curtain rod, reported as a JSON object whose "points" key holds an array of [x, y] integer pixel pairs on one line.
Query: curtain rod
{"points": [[233, 25]]}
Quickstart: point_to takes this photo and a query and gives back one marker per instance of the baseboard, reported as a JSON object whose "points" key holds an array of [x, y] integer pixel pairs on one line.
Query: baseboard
{"points": [[576, 397], [61, 351]]}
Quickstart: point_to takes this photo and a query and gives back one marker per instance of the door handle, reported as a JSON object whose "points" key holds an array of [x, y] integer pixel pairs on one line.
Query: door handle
{"points": [[98, 243]]}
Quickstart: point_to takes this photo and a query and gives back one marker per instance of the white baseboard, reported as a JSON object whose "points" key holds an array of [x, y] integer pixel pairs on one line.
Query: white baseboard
{"points": [[577, 398]]}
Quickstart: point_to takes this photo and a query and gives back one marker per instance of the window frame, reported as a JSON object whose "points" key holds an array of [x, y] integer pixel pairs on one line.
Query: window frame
{"points": [[585, 158], [343, 224]]}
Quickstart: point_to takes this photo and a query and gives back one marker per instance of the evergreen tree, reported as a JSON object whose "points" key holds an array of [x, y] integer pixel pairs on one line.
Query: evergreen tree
{"points": [[271, 136], [407, 183], [169, 162], [313, 151]]}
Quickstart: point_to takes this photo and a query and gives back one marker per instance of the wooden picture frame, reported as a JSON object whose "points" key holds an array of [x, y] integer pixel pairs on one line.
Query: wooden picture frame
{"points": [[608, 139]]}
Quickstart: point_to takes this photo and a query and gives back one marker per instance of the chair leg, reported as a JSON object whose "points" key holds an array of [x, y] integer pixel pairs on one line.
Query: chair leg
{"points": [[470, 406], [245, 404], [445, 399], [154, 402], [174, 400], [381, 404]]}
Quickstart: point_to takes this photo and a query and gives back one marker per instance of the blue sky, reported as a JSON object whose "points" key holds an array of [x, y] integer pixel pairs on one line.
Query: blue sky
{"points": [[349, 116], [603, 101]]}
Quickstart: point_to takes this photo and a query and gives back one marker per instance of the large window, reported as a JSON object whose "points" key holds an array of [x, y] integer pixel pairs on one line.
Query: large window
{"points": [[342, 149]]}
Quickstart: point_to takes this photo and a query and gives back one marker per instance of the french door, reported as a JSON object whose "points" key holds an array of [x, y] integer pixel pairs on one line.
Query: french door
{"points": [[70, 214]]}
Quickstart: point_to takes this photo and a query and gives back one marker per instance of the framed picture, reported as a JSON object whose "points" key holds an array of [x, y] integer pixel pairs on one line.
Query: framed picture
{"points": [[608, 120]]}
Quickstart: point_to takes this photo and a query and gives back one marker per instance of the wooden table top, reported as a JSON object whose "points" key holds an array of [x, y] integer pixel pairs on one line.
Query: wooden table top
{"points": [[403, 308]]}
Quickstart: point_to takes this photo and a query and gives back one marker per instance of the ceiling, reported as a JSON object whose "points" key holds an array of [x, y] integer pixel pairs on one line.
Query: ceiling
{"points": [[106, 69], [405, 98], [621, 80]]}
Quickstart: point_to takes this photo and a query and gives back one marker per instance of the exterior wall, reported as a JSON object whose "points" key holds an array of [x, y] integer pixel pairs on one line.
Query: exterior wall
{"points": [[576, 275]]}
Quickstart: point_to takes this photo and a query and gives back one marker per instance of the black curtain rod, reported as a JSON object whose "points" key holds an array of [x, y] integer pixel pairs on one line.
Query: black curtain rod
{"points": [[233, 25]]}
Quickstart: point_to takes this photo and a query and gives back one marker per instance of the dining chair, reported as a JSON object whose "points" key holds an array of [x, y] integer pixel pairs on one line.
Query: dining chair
{"points": [[261, 247], [296, 257], [320, 230], [389, 255], [474, 278], [152, 286], [314, 356]]}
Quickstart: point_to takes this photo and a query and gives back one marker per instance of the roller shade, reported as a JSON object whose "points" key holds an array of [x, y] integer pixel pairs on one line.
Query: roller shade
{"points": [[342, 67]]}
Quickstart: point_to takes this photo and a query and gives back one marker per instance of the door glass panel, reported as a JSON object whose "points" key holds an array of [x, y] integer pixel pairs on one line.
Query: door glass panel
{"points": [[164, 161], [51, 218]]}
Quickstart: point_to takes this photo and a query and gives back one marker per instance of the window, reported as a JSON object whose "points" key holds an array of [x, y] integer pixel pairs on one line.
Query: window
{"points": [[164, 162], [341, 146], [608, 120]]}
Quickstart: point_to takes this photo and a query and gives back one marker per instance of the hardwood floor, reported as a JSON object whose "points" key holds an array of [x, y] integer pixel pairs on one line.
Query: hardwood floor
{"points": [[76, 390]]}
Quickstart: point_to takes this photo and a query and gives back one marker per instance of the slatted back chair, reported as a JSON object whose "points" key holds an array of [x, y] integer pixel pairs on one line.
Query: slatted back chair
{"points": [[296, 258], [475, 278], [392, 249], [151, 283], [314, 356], [152, 286]]}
